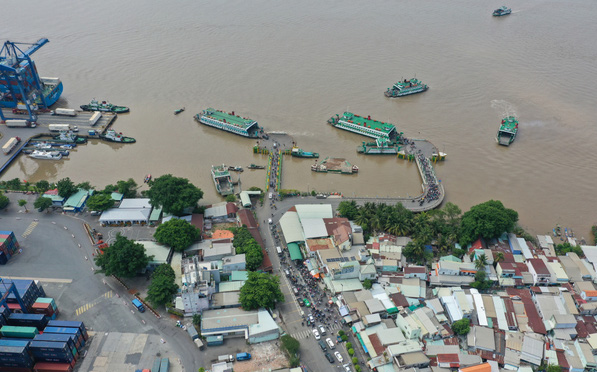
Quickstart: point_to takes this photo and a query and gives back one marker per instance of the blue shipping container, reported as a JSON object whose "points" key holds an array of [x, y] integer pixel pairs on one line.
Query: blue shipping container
{"points": [[56, 337], [49, 346], [69, 324], [38, 321], [20, 343]]}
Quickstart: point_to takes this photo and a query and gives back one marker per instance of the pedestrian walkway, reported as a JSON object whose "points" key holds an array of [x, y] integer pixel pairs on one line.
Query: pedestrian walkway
{"points": [[29, 229], [309, 332]]}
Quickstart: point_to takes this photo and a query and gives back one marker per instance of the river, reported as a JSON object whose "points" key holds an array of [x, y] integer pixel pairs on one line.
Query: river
{"points": [[292, 65]]}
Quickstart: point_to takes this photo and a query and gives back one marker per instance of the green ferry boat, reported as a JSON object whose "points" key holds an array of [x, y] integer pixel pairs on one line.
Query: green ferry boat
{"points": [[299, 153], [222, 180], [508, 130], [104, 106], [381, 146], [230, 122], [364, 126], [405, 88]]}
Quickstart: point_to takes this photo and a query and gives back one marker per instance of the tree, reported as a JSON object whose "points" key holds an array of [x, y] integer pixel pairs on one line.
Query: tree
{"points": [[260, 290], [357, 368], [162, 286], [100, 202], [4, 200], [42, 186], [367, 284], [42, 203], [201, 369], [127, 188], [481, 262], [231, 198], [348, 209], [196, 319], [290, 344], [348, 345], [23, 203], [173, 194], [85, 186], [176, 233], [245, 243], [14, 184], [254, 258], [481, 282], [124, 258], [351, 352], [499, 257], [554, 368], [461, 327], [66, 187], [355, 361], [562, 249], [489, 220]]}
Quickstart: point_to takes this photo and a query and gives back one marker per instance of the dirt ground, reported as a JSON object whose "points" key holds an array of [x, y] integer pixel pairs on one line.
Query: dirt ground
{"points": [[265, 356]]}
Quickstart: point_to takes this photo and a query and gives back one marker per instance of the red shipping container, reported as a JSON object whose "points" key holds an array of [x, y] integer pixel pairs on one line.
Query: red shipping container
{"points": [[52, 367], [14, 307], [42, 308]]}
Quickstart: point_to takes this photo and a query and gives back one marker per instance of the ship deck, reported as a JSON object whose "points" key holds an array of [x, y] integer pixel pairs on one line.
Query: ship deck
{"points": [[371, 123], [232, 119], [337, 165]]}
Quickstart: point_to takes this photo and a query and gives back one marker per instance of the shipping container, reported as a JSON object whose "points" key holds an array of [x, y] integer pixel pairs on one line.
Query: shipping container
{"points": [[3, 258], [11, 342], [156, 365], [11, 144], [55, 337], [15, 123], [94, 118], [49, 346], [58, 127], [38, 321], [47, 300], [192, 332], [53, 359], [17, 369], [79, 341], [19, 332], [52, 367], [165, 365], [70, 324], [64, 112]]}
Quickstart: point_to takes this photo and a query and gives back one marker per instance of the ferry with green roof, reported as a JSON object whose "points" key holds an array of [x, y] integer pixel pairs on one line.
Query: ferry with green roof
{"points": [[406, 87], [230, 122], [381, 146], [364, 126], [222, 180], [508, 130]]}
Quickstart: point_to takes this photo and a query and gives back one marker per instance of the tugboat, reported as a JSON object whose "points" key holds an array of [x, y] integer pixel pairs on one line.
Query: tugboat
{"points": [[178, 111], [67, 136], [112, 136], [405, 88], [254, 166], [104, 106], [507, 132], [502, 11], [299, 153]]}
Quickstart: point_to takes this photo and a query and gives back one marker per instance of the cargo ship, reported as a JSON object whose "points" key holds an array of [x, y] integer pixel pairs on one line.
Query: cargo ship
{"points": [[502, 11], [104, 106], [381, 146], [229, 122], [222, 180], [299, 153], [112, 136], [364, 126], [405, 88], [507, 132], [335, 165]]}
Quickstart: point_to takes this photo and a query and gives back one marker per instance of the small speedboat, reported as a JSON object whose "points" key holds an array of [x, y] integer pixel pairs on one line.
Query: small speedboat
{"points": [[147, 178], [502, 11], [178, 111]]}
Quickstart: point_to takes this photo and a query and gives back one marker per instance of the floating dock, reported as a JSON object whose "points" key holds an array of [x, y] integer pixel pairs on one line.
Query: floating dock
{"points": [[335, 165]]}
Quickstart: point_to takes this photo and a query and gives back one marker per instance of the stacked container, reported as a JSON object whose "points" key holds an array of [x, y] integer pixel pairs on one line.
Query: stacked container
{"points": [[52, 367], [8, 246], [29, 291], [38, 321], [75, 332], [18, 332], [54, 352], [14, 358], [70, 324], [45, 306], [55, 337], [4, 314]]}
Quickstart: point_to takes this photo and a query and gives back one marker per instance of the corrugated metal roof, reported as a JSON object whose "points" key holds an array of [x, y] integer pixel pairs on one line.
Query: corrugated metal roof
{"points": [[135, 203], [291, 227], [306, 211]]}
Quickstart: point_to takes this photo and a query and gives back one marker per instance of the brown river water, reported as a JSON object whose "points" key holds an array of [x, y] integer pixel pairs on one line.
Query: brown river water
{"points": [[292, 64]]}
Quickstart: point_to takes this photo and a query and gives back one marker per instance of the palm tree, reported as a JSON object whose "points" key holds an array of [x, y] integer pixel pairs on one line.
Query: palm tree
{"points": [[481, 262], [499, 257]]}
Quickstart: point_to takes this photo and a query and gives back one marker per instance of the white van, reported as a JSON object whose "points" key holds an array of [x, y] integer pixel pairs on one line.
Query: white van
{"points": [[279, 250]]}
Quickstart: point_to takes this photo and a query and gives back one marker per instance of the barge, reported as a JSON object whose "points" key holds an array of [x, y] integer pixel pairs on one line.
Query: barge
{"points": [[230, 122], [508, 130], [222, 180], [381, 146], [364, 126], [335, 165], [104, 106], [405, 88], [299, 153]]}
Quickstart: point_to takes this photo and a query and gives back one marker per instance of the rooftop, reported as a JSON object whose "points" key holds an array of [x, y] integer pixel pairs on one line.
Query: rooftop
{"points": [[368, 122], [230, 117]]}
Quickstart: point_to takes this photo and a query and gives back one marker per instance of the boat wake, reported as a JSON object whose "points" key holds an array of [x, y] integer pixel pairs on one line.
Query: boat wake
{"points": [[504, 108]]}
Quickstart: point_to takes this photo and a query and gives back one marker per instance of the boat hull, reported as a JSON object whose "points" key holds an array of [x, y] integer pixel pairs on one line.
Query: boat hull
{"points": [[397, 93], [222, 126]]}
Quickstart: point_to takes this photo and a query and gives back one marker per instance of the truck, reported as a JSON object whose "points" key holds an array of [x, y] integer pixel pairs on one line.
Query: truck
{"points": [[11, 144], [199, 344], [226, 358], [59, 127], [64, 112], [94, 118], [139, 305], [19, 123], [243, 356]]}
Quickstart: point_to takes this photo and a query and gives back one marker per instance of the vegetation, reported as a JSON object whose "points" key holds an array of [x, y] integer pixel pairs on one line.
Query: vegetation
{"points": [[231, 198], [173, 194], [100, 202], [344, 338], [42, 186], [355, 361], [562, 249], [488, 220], [290, 344], [3, 201], [351, 352], [124, 258], [197, 319], [481, 282], [367, 284], [14, 184], [176, 233], [66, 187], [348, 209], [42, 203], [127, 188], [349, 345], [357, 367], [461, 327], [162, 286], [260, 290], [245, 243], [594, 232], [554, 368], [85, 186], [23, 203]]}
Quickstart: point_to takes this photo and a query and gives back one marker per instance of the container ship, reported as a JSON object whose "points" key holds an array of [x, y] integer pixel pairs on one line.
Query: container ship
{"points": [[364, 126], [222, 180], [507, 132], [381, 146], [230, 122], [19, 80], [405, 88]]}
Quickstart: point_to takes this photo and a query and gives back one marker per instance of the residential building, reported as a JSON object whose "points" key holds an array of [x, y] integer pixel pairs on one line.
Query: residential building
{"points": [[539, 271], [233, 263]]}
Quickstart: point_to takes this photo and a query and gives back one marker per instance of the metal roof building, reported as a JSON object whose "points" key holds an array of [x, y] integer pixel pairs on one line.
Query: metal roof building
{"points": [[306, 211], [291, 227], [314, 228], [117, 215]]}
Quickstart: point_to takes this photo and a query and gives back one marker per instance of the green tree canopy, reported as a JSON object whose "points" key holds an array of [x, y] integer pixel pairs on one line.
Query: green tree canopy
{"points": [[66, 187], [554, 368], [461, 327], [254, 258], [42, 203], [348, 209], [367, 284], [245, 243], [162, 286], [100, 202], [85, 186], [4, 200], [13, 184], [562, 249], [260, 290], [290, 344], [127, 188], [42, 186], [231, 198], [23, 203], [173, 194], [124, 258], [489, 220], [176, 233]]}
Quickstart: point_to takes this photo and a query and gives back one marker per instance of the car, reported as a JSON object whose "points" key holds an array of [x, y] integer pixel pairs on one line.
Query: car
{"points": [[330, 343], [307, 303], [287, 272], [311, 319], [270, 221], [329, 357], [347, 367], [271, 195], [339, 356], [322, 330], [295, 290], [316, 334], [301, 303], [322, 345]]}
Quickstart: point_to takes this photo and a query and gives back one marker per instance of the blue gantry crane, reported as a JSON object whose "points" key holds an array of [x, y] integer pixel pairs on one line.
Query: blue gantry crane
{"points": [[20, 85], [8, 288]]}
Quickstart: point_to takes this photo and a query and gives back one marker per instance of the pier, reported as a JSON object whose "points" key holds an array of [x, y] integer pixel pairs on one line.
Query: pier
{"points": [[41, 130]]}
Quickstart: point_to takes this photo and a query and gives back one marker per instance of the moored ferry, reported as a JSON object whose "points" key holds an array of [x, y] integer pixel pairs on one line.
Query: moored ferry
{"points": [[222, 180], [406, 87], [300, 153], [381, 146], [230, 122], [508, 130], [364, 126]]}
